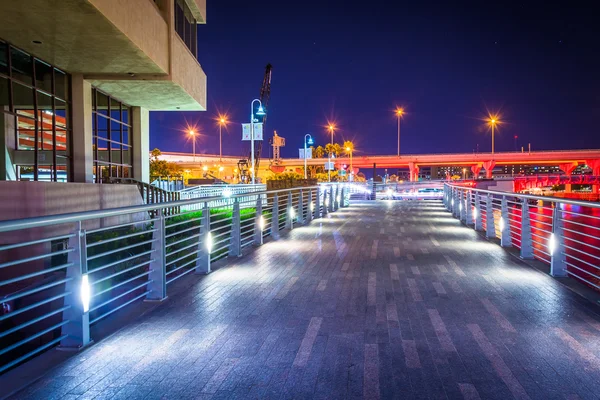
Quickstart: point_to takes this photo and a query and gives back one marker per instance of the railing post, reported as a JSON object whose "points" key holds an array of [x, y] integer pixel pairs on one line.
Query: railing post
{"points": [[478, 215], [468, 208], [205, 243], [300, 214], [526, 239], [490, 229], [445, 199], [345, 196], [309, 207], [259, 222], [325, 201], [317, 210], [158, 267], [336, 201], [289, 216], [505, 240], [235, 243], [78, 298], [461, 206], [331, 199], [455, 203], [558, 265], [275, 217]]}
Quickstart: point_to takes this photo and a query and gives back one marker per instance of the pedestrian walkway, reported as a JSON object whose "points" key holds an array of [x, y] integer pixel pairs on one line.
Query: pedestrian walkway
{"points": [[387, 299]]}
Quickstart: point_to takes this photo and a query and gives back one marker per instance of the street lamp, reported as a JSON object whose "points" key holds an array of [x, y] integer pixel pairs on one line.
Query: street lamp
{"points": [[193, 135], [464, 174], [493, 121], [399, 114], [310, 141], [259, 112], [222, 121], [331, 128], [349, 151]]}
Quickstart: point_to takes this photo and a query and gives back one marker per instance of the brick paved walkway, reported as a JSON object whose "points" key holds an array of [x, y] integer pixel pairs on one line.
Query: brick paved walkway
{"points": [[380, 300]]}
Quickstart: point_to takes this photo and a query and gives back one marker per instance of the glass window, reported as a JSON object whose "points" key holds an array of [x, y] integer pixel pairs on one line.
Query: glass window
{"points": [[22, 66], [42, 122], [185, 25], [3, 58]]}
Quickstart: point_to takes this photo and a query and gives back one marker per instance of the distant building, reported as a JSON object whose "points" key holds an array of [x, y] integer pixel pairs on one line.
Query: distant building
{"points": [[78, 79]]}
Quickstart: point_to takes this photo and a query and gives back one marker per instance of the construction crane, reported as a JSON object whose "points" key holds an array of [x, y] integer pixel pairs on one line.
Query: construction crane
{"points": [[265, 94]]}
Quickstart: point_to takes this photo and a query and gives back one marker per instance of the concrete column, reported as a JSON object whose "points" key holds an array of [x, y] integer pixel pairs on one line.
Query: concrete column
{"points": [[7, 146], [140, 120], [82, 151]]}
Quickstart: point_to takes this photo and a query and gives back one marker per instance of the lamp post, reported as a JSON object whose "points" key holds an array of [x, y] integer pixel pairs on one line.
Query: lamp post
{"points": [[399, 114], [259, 112], [193, 135], [310, 141], [349, 151], [331, 129], [464, 174], [493, 121], [222, 121]]}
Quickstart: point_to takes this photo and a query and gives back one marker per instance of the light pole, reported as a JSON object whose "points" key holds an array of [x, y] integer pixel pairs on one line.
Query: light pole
{"points": [[399, 114], [493, 121], [310, 141], [222, 121], [464, 174], [349, 150], [193, 135], [259, 112], [331, 128]]}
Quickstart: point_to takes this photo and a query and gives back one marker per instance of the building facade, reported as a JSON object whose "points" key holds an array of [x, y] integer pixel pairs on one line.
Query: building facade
{"points": [[78, 79]]}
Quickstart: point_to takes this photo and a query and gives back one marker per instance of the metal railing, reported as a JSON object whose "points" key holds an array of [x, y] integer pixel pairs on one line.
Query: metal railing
{"points": [[563, 233], [63, 273], [224, 193]]}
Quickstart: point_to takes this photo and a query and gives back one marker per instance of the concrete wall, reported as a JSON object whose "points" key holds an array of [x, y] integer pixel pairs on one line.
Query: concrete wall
{"points": [[187, 72], [142, 23]]}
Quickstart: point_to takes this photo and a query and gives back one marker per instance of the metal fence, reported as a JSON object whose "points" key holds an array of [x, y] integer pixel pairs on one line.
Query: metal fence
{"points": [[223, 193], [63, 273], [562, 233]]}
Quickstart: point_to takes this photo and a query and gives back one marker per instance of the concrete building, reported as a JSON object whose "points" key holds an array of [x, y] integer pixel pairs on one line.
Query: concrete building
{"points": [[78, 79]]}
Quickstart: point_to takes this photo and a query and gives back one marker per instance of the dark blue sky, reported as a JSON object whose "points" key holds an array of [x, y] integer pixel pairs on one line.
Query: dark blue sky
{"points": [[536, 63]]}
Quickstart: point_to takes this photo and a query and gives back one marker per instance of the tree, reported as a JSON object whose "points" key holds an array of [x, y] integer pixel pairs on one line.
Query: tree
{"points": [[161, 168], [337, 149], [319, 152]]}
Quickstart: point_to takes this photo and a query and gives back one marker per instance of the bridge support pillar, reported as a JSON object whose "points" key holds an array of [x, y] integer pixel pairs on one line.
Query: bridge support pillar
{"points": [[489, 168], [414, 172], [526, 239], [505, 240], [476, 169], [490, 229], [556, 245]]}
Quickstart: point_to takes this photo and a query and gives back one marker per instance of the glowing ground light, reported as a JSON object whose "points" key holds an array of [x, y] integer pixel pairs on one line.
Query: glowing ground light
{"points": [[209, 242], [339, 199], [474, 213], [452, 202], [292, 213], [460, 207], [85, 293], [261, 223], [312, 206], [501, 223], [552, 244]]}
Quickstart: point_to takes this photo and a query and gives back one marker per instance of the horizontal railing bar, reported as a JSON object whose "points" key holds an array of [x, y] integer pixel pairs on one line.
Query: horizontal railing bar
{"points": [[192, 228], [580, 260], [580, 224], [32, 291], [32, 242], [30, 338], [581, 251], [119, 307], [580, 242], [579, 277], [35, 258], [32, 306], [31, 353], [33, 321], [94, 231], [127, 236], [194, 236], [186, 255], [121, 284], [580, 233], [582, 215], [34, 274], [187, 221], [183, 273], [121, 295], [131, 246], [122, 272], [112, 264]]}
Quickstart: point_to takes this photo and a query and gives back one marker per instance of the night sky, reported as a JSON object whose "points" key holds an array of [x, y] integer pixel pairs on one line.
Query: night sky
{"points": [[446, 63]]}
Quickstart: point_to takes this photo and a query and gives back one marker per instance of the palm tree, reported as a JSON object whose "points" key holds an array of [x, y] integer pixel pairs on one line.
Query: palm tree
{"points": [[337, 149], [319, 152], [329, 149]]}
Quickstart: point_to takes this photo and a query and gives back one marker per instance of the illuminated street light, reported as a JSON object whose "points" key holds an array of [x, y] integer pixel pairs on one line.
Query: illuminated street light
{"points": [[310, 141], [205, 168], [493, 121], [222, 122], [259, 112], [192, 133], [331, 128], [399, 114], [464, 174], [349, 150]]}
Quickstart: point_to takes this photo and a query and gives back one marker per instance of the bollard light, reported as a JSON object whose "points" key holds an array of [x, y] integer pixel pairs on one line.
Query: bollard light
{"points": [[460, 206], [312, 206], [339, 199], [292, 213], [474, 213], [85, 293], [452, 202], [227, 192], [209, 242], [501, 224], [261, 223], [389, 192], [552, 244]]}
